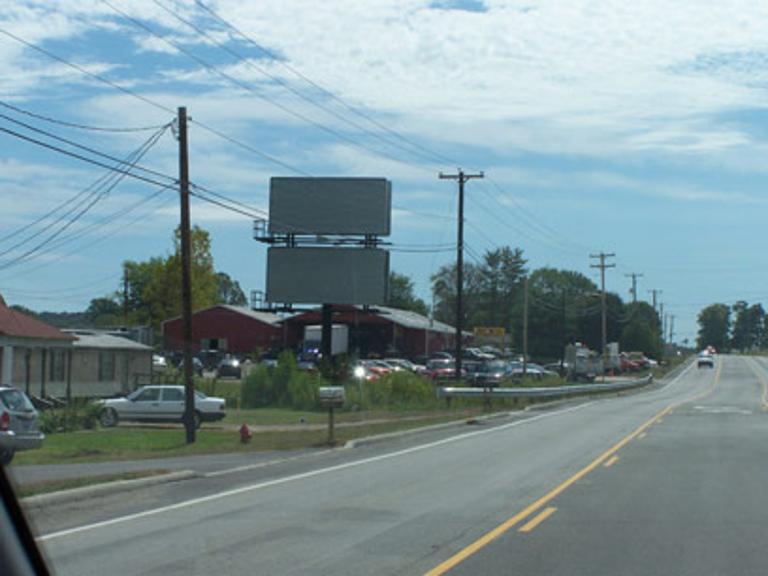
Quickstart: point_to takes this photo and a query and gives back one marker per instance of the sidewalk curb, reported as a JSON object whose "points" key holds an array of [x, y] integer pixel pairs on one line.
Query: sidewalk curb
{"points": [[104, 489]]}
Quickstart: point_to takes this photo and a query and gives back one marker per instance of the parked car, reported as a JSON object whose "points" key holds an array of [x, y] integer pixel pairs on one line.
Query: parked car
{"points": [[489, 374], [18, 424], [197, 365], [160, 404], [442, 369], [159, 362], [229, 366]]}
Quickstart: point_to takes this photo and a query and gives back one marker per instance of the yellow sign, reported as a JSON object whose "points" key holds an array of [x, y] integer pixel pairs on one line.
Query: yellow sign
{"points": [[489, 332]]}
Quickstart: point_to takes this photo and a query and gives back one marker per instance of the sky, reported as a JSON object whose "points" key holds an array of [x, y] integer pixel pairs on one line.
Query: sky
{"points": [[634, 128]]}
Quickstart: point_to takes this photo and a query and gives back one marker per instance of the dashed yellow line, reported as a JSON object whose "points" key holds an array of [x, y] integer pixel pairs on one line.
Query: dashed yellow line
{"points": [[489, 537], [612, 461], [543, 515]]}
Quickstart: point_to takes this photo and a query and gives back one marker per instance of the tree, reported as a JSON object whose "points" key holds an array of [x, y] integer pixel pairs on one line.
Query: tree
{"points": [[104, 312], [154, 286], [748, 326], [229, 291], [714, 327], [555, 307], [492, 290], [401, 295]]}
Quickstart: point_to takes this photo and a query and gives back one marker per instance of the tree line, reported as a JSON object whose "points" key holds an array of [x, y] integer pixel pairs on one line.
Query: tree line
{"points": [[741, 327]]}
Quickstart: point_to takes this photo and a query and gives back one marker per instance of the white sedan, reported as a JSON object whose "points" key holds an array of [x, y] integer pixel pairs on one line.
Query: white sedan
{"points": [[160, 404]]}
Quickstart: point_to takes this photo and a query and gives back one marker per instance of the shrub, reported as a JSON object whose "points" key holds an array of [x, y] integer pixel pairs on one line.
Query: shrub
{"points": [[257, 389], [83, 416]]}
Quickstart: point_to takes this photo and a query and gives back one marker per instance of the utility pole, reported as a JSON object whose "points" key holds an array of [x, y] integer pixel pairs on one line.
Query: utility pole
{"points": [[671, 328], [562, 335], [462, 178], [663, 319], [602, 256], [525, 325], [125, 296], [186, 281], [634, 277], [654, 292]]}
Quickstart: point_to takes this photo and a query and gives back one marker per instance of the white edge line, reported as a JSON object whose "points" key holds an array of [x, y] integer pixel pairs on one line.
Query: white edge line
{"points": [[302, 476]]}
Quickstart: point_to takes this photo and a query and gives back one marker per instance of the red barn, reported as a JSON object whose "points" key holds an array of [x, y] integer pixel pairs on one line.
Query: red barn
{"points": [[233, 329]]}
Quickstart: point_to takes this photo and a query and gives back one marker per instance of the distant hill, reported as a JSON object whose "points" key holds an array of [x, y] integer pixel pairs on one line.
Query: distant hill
{"points": [[60, 319]]}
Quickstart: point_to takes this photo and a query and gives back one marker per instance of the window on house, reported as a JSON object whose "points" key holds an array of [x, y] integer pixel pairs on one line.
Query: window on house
{"points": [[106, 366], [58, 365]]}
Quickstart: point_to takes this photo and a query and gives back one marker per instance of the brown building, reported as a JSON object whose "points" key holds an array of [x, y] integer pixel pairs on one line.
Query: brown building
{"points": [[225, 328], [379, 331]]}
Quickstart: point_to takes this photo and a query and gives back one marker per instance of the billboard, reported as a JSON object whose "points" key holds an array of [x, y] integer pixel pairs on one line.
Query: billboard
{"points": [[327, 275], [330, 206]]}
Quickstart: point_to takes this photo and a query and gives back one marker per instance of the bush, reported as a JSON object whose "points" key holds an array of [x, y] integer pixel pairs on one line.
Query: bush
{"points": [[229, 391], [394, 390], [285, 386], [77, 417]]}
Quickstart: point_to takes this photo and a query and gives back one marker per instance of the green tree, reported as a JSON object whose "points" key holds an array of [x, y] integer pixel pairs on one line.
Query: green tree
{"points": [[104, 312], [748, 326], [714, 327], [154, 286], [402, 295], [229, 291]]}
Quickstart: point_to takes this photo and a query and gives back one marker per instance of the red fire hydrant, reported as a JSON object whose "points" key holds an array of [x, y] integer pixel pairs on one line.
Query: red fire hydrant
{"points": [[245, 434]]}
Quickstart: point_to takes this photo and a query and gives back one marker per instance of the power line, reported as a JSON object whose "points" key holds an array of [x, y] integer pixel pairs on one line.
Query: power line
{"points": [[76, 125], [246, 86], [323, 90], [98, 189], [153, 103], [241, 58]]}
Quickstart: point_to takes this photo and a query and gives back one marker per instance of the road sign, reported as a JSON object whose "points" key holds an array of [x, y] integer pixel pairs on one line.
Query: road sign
{"points": [[489, 332]]}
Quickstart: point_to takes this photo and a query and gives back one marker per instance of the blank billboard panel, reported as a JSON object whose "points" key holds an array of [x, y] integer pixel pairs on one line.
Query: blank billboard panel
{"points": [[327, 275], [330, 206]]}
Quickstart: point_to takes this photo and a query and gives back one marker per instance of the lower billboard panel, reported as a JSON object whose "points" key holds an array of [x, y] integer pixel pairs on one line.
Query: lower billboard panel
{"points": [[327, 275]]}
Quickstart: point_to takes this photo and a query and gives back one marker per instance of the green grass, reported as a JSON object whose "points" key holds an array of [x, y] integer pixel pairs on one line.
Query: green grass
{"points": [[137, 443], [46, 486]]}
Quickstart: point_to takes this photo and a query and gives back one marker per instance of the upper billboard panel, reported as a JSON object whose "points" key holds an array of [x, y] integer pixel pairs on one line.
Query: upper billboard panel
{"points": [[330, 206]]}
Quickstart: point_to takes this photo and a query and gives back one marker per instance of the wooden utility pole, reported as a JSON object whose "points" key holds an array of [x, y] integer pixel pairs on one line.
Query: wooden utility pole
{"points": [[186, 278], [654, 294], [525, 325], [462, 178], [602, 256], [633, 290]]}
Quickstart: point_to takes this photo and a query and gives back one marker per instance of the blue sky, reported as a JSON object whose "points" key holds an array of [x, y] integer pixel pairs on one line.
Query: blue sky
{"points": [[635, 129]]}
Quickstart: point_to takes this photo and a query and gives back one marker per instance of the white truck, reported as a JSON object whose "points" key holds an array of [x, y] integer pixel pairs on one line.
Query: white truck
{"points": [[339, 338]]}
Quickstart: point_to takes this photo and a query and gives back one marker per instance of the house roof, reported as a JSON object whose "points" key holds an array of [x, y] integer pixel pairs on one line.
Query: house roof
{"points": [[265, 317], [105, 341], [16, 324]]}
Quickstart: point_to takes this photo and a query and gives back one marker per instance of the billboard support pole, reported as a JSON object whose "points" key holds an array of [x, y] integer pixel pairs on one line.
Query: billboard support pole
{"points": [[325, 338]]}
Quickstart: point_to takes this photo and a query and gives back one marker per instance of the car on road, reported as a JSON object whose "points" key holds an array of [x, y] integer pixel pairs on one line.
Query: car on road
{"points": [[18, 424], [705, 361], [160, 404]]}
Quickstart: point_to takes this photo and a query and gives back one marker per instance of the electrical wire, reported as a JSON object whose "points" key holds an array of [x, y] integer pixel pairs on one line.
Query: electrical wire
{"points": [[153, 103], [74, 124], [437, 156]]}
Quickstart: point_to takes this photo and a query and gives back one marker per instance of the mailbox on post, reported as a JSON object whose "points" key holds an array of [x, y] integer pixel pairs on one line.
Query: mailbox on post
{"points": [[331, 397]]}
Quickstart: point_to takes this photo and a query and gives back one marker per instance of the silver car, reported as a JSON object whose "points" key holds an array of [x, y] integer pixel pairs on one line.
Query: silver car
{"points": [[160, 404], [18, 424]]}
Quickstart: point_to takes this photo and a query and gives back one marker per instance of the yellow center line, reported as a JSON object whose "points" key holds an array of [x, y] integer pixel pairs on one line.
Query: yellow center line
{"points": [[612, 461], [505, 526], [543, 515]]}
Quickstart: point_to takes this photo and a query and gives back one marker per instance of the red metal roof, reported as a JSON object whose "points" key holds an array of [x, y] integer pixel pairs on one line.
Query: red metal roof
{"points": [[18, 325]]}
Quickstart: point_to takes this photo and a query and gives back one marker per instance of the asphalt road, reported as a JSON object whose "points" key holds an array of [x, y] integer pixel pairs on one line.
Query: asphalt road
{"points": [[667, 481]]}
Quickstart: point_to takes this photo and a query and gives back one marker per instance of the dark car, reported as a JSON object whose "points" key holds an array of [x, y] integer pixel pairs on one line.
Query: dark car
{"points": [[197, 365], [229, 367], [18, 424], [489, 374]]}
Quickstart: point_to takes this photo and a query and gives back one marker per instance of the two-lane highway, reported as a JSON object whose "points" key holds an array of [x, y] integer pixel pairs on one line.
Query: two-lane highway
{"points": [[662, 481]]}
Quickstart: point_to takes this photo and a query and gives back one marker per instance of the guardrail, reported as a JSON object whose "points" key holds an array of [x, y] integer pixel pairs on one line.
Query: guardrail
{"points": [[541, 392]]}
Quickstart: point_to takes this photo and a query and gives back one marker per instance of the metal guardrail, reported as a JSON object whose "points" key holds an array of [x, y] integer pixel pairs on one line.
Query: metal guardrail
{"points": [[541, 392]]}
